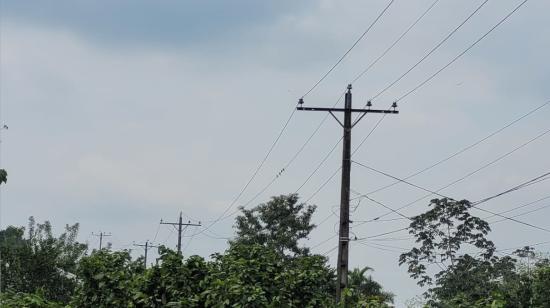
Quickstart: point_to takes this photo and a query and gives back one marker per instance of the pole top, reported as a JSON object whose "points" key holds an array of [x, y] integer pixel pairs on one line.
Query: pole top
{"points": [[349, 87]]}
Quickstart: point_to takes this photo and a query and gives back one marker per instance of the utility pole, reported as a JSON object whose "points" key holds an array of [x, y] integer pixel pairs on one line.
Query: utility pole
{"points": [[343, 233], [146, 247], [101, 235], [180, 225]]}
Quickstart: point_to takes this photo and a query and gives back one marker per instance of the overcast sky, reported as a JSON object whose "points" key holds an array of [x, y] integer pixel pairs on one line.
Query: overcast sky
{"points": [[123, 113]]}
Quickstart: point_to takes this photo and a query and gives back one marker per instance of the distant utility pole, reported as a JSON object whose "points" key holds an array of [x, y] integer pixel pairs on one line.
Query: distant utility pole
{"points": [[343, 238], [146, 247], [101, 235], [180, 225]]}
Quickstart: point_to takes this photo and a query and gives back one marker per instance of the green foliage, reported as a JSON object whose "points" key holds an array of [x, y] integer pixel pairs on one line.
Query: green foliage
{"points": [[441, 233], [26, 300], [257, 276], [363, 289], [279, 224], [473, 280], [263, 267], [3, 176], [107, 279], [482, 280], [40, 261], [540, 284], [174, 281]]}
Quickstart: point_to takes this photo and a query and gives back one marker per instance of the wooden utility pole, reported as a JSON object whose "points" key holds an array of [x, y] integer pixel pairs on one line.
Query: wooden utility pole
{"points": [[146, 247], [343, 233], [101, 235], [180, 225]]}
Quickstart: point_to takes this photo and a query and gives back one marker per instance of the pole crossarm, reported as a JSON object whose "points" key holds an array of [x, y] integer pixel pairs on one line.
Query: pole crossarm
{"points": [[344, 110], [180, 228]]}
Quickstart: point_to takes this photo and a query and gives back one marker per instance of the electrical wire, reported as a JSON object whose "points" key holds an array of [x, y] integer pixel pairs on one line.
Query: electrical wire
{"points": [[292, 114], [431, 51], [394, 43], [254, 174], [476, 143], [471, 173], [477, 203], [320, 164], [444, 67], [156, 233], [519, 207], [463, 52], [522, 214], [287, 165], [350, 49], [520, 186], [323, 185]]}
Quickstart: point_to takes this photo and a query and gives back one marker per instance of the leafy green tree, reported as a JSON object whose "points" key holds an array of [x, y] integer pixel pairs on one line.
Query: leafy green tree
{"points": [[473, 280], [40, 261], [258, 276], [541, 284], [364, 287], [3, 176], [280, 224], [173, 281], [25, 300], [107, 279], [441, 233]]}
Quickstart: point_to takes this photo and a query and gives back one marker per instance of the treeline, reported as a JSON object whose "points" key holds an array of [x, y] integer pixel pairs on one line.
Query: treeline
{"points": [[266, 265]]}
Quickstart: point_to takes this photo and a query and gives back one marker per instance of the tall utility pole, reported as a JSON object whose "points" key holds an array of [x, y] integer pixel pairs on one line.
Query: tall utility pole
{"points": [[180, 225], [101, 235], [343, 233], [146, 247]]}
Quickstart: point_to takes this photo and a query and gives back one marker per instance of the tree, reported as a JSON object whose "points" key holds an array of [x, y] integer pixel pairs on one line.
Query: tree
{"points": [[253, 275], [441, 233], [107, 279], [173, 281], [280, 224], [3, 176], [481, 279], [17, 300], [40, 261], [363, 287]]}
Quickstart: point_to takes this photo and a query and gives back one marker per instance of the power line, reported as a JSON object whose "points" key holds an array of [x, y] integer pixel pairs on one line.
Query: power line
{"points": [[473, 204], [463, 52], [287, 165], [156, 233], [472, 173], [520, 207], [439, 162], [513, 219], [444, 67], [320, 164], [382, 234], [290, 117], [349, 50], [431, 51], [254, 174], [522, 214], [394, 43], [517, 187], [324, 184], [324, 119]]}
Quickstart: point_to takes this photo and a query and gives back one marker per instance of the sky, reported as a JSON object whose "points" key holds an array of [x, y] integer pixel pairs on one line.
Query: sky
{"points": [[124, 113]]}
